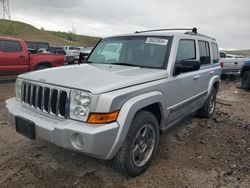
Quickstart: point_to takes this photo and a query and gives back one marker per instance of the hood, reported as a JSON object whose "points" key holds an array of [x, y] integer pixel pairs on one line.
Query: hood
{"points": [[96, 78]]}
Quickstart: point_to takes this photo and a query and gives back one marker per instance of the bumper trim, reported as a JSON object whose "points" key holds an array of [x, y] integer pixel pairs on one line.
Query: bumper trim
{"points": [[95, 140]]}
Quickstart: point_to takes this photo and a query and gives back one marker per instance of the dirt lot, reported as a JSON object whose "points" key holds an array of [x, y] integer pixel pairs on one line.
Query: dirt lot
{"points": [[196, 153]]}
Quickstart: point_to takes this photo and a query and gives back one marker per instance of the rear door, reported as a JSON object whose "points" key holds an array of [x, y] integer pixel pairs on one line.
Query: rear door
{"points": [[13, 58]]}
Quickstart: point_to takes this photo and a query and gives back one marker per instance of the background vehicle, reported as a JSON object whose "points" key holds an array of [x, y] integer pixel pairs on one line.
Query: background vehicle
{"points": [[70, 49], [57, 50], [115, 105], [15, 58], [245, 75], [73, 58], [37, 45], [232, 63]]}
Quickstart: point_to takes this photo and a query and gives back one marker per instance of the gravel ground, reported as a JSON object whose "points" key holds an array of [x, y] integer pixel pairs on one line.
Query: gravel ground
{"points": [[195, 153]]}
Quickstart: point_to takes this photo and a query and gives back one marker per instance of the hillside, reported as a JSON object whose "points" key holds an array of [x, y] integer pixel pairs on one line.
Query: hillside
{"points": [[239, 52], [29, 32]]}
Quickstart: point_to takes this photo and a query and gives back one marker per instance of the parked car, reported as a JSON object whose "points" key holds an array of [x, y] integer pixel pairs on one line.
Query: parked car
{"points": [[16, 59], [73, 58], [245, 75], [43, 51], [232, 63], [57, 50], [70, 49], [115, 106], [37, 45]]}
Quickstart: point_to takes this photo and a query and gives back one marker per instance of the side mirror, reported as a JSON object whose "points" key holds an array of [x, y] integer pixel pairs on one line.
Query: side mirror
{"points": [[186, 66]]}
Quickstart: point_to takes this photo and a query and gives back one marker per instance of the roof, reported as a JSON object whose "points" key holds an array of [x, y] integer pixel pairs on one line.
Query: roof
{"points": [[9, 38]]}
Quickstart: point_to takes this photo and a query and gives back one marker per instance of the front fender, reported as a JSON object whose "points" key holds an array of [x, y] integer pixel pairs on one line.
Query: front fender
{"points": [[128, 112]]}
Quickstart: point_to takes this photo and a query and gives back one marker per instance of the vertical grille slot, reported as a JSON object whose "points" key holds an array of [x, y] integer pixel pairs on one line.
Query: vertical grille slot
{"points": [[33, 99], [47, 99], [53, 102], [28, 94], [63, 103], [23, 91], [39, 98]]}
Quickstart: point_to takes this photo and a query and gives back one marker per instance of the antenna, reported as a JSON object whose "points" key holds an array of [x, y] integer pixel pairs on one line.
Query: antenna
{"points": [[5, 8]]}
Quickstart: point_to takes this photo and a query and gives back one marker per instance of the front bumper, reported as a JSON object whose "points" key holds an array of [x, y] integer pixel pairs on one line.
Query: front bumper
{"points": [[93, 140]]}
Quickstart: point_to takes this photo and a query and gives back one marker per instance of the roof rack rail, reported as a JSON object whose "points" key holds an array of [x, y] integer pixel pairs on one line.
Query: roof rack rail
{"points": [[194, 30], [199, 34]]}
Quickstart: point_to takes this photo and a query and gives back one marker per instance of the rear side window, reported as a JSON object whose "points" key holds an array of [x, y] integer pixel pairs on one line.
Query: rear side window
{"points": [[222, 55], [186, 50], [10, 46], [204, 53], [215, 53]]}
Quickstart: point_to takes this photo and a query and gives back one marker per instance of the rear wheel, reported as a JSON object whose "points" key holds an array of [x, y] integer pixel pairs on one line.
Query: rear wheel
{"points": [[245, 80], [209, 106], [40, 67], [135, 155]]}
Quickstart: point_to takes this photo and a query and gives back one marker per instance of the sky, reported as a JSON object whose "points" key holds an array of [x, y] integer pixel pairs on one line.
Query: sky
{"points": [[226, 20]]}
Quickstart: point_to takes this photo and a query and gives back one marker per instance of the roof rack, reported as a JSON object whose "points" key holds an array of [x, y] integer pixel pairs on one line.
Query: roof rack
{"points": [[190, 31], [194, 30], [198, 34]]}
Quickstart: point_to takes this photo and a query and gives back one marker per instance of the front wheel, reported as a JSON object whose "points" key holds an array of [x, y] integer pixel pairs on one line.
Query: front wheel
{"points": [[209, 106], [135, 155], [245, 80]]}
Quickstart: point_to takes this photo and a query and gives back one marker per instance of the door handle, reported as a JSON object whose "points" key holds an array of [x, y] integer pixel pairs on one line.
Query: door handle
{"points": [[212, 72], [236, 63], [197, 77]]}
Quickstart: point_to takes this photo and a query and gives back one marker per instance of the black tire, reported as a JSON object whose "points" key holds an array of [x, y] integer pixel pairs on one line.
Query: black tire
{"points": [[125, 160], [245, 80], [209, 106], [40, 67]]}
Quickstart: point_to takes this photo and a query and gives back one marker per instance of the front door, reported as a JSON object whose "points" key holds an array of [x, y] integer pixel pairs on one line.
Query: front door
{"points": [[13, 59]]}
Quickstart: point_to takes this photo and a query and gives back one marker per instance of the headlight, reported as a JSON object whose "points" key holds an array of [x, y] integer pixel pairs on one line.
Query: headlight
{"points": [[79, 105], [18, 89]]}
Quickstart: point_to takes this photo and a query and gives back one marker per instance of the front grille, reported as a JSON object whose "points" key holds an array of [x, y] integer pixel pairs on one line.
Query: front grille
{"points": [[45, 98]]}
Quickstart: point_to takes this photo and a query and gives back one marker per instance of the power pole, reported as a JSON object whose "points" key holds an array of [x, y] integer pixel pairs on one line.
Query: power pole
{"points": [[5, 8]]}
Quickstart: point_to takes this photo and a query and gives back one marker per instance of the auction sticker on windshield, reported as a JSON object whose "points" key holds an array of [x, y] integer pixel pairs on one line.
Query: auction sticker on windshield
{"points": [[159, 41]]}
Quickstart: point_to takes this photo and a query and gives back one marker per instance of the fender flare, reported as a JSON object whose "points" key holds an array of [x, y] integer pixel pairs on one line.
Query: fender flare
{"points": [[213, 80], [127, 113]]}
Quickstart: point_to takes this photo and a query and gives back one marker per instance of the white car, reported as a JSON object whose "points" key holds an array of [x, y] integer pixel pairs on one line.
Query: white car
{"points": [[70, 49], [232, 63]]}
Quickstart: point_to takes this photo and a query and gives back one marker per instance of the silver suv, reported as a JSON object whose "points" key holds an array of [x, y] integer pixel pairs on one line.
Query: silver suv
{"points": [[114, 106]]}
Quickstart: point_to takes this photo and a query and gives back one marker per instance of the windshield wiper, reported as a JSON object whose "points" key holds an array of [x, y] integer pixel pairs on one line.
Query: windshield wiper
{"points": [[126, 64]]}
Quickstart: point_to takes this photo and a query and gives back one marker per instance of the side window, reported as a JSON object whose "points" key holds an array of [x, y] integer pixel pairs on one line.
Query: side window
{"points": [[11, 46], [215, 53], [186, 50], [204, 52], [222, 55]]}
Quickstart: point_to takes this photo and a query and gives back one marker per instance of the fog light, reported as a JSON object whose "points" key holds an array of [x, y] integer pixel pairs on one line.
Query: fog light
{"points": [[77, 141]]}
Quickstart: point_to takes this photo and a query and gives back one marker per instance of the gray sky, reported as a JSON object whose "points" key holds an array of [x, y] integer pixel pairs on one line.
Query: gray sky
{"points": [[225, 20]]}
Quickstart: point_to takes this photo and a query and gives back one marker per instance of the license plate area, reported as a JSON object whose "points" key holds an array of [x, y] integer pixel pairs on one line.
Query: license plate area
{"points": [[25, 127]]}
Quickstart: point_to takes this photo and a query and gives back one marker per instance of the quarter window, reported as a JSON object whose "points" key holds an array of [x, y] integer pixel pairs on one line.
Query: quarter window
{"points": [[215, 53], [10, 46], [186, 50], [204, 52]]}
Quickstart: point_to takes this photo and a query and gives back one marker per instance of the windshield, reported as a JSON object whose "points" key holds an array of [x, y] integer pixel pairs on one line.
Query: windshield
{"points": [[142, 51]]}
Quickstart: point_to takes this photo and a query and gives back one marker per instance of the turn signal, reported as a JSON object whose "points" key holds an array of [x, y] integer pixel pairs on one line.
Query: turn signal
{"points": [[102, 118]]}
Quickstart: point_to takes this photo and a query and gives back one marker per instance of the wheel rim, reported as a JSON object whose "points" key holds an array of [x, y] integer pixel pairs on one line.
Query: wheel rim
{"points": [[144, 144], [212, 103]]}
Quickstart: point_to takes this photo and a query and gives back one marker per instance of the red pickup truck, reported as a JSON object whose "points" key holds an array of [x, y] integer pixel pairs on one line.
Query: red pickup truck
{"points": [[15, 58]]}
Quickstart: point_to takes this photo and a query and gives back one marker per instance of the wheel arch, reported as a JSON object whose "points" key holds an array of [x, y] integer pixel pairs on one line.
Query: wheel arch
{"points": [[153, 102], [48, 64]]}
